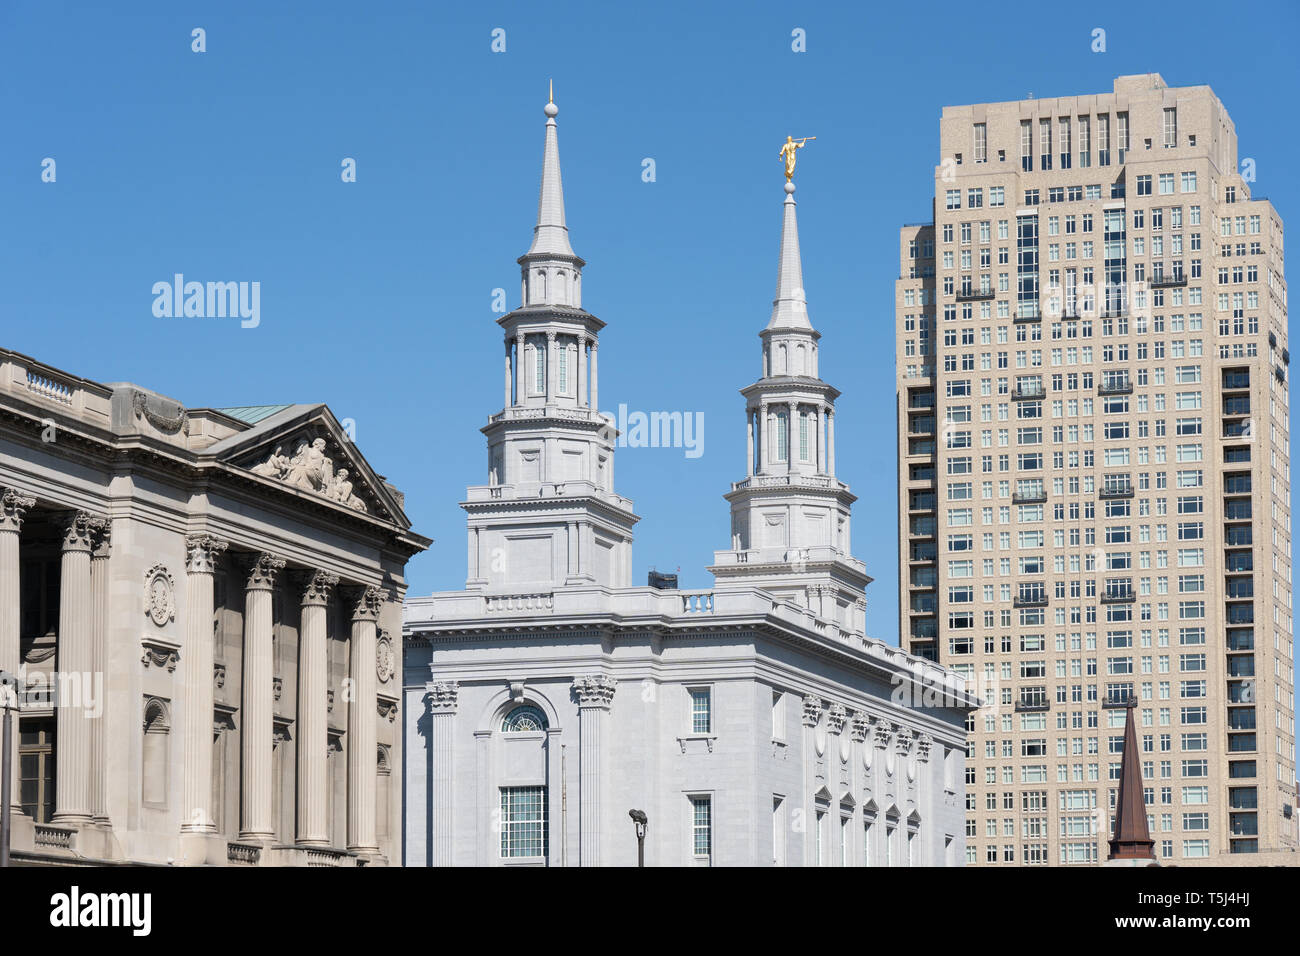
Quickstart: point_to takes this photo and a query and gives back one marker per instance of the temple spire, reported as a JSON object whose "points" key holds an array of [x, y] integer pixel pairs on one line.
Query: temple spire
{"points": [[789, 308], [551, 236], [1132, 838]]}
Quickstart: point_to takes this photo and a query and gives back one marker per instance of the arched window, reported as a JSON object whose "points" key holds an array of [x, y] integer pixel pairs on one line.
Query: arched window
{"points": [[525, 718]]}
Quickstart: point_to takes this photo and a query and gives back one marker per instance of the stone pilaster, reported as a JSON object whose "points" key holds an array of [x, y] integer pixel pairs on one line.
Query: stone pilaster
{"points": [[595, 693], [259, 701], [362, 738], [76, 669], [313, 690], [13, 508], [521, 372], [103, 547], [595, 394], [444, 698], [202, 551]]}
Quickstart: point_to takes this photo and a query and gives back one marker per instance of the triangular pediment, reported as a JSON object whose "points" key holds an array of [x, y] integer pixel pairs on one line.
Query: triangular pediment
{"points": [[306, 449]]}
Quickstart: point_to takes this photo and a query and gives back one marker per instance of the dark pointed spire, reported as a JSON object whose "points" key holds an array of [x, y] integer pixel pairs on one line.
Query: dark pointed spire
{"points": [[1132, 838]]}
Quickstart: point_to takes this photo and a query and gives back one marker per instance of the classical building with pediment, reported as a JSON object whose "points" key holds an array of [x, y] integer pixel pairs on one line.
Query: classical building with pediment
{"points": [[200, 613], [751, 723]]}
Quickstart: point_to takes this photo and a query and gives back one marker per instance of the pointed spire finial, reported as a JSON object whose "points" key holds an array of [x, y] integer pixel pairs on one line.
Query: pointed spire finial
{"points": [[551, 237], [1132, 838], [790, 307], [551, 92]]}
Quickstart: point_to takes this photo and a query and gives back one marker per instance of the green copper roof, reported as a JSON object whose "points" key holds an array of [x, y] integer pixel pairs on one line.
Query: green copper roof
{"points": [[252, 414]]}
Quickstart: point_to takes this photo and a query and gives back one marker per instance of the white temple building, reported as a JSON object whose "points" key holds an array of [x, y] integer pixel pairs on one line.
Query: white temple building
{"points": [[753, 724]]}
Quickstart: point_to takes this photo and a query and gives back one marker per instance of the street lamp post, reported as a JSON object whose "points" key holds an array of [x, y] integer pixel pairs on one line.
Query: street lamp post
{"points": [[641, 820]]}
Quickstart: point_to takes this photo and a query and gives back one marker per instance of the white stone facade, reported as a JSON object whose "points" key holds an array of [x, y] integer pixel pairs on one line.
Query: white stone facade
{"points": [[753, 724]]}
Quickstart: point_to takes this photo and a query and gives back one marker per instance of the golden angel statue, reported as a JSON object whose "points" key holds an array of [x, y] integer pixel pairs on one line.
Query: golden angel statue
{"points": [[787, 153]]}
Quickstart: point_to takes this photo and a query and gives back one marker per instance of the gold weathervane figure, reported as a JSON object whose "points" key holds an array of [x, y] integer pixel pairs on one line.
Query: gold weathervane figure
{"points": [[787, 153]]}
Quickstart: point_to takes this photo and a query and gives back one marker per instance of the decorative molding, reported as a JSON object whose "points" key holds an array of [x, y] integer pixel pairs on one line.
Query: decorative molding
{"points": [[14, 506], [160, 652], [202, 552], [159, 595], [311, 470], [161, 721], [594, 690], [385, 659], [386, 707], [167, 424], [218, 676], [443, 695]]}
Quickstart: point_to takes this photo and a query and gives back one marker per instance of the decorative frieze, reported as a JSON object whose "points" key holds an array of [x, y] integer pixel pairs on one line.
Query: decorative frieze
{"points": [[311, 469]]}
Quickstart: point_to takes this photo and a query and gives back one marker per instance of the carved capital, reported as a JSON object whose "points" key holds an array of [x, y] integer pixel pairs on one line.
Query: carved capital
{"points": [[903, 741], [14, 506], [861, 727], [812, 711], [837, 717], [102, 542], [369, 602], [923, 744], [262, 572], [443, 696], [202, 552], [550, 337], [594, 690], [883, 733], [317, 587], [80, 529]]}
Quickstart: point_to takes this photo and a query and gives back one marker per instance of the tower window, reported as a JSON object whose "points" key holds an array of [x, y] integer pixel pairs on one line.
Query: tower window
{"points": [[564, 370], [803, 436], [781, 437], [539, 370]]}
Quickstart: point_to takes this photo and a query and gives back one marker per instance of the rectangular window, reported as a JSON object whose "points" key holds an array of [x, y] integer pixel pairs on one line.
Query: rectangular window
{"points": [[563, 358], [1171, 127], [539, 370], [701, 710], [702, 826], [981, 143], [523, 822], [803, 436]]}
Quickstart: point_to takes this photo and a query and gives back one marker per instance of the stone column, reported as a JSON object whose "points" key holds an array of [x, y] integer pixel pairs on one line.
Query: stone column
{"points": [[595, 395], [103, 546], [595, 693], [521, 370], [444, 695], [313, 729], [13, 507], [202, 551], [764, 437], [749, 442], [791, 450], [821, 443], [552, 365], [830, 440], [508, 403], [76, 671], [362, 735], [258, 705], [582, 371]]}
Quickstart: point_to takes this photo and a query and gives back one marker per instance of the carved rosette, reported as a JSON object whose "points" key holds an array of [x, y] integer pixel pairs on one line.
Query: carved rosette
{"points": [[443, 695], [159, 595], [202, 552], [369, 602], [263, 571], [318, 587], [385, 658], [13, 508], [81, 530], [812, 711], [594, 690]]}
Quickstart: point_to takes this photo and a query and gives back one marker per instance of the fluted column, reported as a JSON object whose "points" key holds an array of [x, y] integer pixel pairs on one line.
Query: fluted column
{"points": [[258, 707], [362, 739], [444, 696], [76, 668], [749, 442], [595, 396], [202, 551], [830, 440], [13, 508], [582, 371], [521, 365], [102, 548], [595, 693], [313, 690]]}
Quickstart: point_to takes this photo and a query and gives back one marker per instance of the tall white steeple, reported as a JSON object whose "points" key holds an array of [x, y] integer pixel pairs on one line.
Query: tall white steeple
{"points": [[790, 515], [549, 515]]}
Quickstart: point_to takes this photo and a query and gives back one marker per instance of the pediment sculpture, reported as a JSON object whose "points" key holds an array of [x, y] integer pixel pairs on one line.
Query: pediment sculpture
{"points": [[311, 469]]}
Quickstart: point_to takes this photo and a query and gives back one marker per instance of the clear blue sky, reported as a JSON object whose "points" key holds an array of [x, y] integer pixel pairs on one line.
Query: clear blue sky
{"points": [[376, 296]]}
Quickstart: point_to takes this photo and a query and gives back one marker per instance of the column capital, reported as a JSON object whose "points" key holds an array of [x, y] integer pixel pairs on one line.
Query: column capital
{"points": [[14, 506], [836, 717], [80, 530], [263, 570], [368, 601], [923, 744], [594, 690], [593, 342], [102, 540], [202, 552], [317, 587], [519, 337], [861, 726], [883, 731], [443, 696], [812, 711], [550, 336], [903, 741]]}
